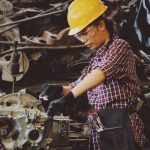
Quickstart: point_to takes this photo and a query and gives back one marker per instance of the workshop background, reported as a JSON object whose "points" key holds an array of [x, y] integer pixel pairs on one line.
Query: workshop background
{"points": [[35, 49]]}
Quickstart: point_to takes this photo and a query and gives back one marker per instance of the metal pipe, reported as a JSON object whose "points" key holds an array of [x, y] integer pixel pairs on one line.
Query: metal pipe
{"points": [[52, 48], [23, 43], [31, 18], [35, 44], [54, 8], [8, 29]]}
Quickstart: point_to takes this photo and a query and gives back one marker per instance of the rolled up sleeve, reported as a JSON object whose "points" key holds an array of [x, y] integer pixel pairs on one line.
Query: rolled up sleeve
{"points": [[115, 60]]}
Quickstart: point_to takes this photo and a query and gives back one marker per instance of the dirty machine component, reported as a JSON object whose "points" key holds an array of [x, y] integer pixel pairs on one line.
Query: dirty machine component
{"points": [[5, 66], [22, 121], [24, 125]]}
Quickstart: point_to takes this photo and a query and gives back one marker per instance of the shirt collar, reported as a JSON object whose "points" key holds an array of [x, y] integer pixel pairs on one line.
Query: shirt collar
{"points": [[105, 46]]}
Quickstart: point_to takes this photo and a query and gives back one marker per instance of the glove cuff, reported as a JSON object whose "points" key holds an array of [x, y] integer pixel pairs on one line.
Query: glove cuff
{"points": [[51, 89], [70, 99], [59, 87]]}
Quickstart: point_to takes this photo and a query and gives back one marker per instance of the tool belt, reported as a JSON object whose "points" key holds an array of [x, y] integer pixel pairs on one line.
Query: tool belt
{"points": [[113, 126]]}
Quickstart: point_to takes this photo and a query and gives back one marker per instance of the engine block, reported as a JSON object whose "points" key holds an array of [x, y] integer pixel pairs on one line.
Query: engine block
{"points": [[24, 125], [22, 121]]}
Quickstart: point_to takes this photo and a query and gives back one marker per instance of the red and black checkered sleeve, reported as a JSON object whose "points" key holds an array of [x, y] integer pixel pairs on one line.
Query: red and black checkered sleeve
{"points": [[115, 61]]}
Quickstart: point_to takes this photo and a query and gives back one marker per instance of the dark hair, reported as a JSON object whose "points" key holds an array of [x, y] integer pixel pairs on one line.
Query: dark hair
{"points": [[108, 23]]}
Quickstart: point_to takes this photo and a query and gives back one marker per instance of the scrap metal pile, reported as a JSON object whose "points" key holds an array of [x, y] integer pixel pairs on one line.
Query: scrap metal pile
{"points": [[35, 46], [42, 36], [40, 27]]}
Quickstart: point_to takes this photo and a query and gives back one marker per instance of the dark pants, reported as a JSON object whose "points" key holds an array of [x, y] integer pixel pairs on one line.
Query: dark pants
{"points": [[119, 138]]}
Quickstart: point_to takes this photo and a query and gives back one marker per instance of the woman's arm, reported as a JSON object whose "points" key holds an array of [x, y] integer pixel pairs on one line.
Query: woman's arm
{"points": [[66, 89], [93, 79]]}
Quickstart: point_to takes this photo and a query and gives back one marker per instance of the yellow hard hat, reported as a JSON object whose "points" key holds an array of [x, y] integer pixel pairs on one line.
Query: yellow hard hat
{"points": [[83, 12]]}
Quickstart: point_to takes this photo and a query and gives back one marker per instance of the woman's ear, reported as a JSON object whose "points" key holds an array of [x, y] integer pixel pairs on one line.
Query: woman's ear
{"points": [[101, 25]]}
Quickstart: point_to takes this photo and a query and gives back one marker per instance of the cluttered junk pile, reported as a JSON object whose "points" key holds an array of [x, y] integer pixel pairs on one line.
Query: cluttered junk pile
{"points": [[35, 48]]}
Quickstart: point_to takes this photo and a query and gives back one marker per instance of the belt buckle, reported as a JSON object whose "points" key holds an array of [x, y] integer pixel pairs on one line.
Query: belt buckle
{"points": [[95, 121]]}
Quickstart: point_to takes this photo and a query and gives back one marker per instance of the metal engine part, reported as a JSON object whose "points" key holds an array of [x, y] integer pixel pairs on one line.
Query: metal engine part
{"points": [[24, 125], [68, 135], [11, 33], [5, 7], [22, 121], [23, 66]]}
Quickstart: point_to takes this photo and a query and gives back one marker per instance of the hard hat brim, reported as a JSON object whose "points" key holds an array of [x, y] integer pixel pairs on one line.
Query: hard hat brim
{"points": [[75, 30]]}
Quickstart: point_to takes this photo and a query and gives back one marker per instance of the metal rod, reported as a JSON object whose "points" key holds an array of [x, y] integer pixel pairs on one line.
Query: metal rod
{"points": [[52, 48], [31, 18], [22, 43], [14, 83], [12, 61], [8, 29], [54, 8], [39, 45]]}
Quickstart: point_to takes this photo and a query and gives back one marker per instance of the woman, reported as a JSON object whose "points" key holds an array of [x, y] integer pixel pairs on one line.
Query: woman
{"points": [[110, 80]]}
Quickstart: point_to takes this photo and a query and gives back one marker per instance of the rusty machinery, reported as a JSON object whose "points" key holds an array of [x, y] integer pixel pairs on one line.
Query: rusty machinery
{"points": [[23, 121], [25, 125]]}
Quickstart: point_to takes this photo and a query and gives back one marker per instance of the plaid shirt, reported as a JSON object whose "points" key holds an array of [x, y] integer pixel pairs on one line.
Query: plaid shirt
{"points": [[121, 86]]}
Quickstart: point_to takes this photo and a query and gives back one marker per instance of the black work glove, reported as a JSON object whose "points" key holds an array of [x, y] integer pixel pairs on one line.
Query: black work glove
{"points": [[60, 105], [81, 109], [50, 92]]}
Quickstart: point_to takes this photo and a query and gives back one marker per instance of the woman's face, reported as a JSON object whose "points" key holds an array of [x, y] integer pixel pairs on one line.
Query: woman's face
{"points": [[92, 37]]}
